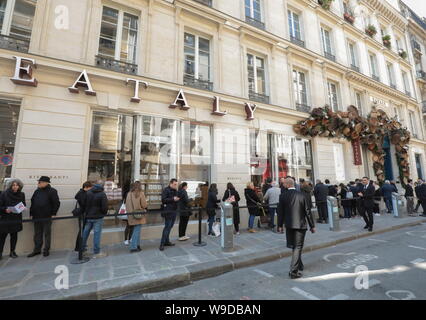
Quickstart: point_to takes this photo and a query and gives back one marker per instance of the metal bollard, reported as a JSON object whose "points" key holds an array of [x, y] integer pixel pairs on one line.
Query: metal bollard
{"points": [[333, 214], [398, 205], [226, 226]]}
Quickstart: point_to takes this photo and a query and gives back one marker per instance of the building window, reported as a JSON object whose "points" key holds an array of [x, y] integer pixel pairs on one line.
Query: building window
{"points": [[9, 117], [358, 102], [254, 13], [419, 166], [256, 78], [16, 23], [333, 98], [373, 67], [406, 83], [300, 91], [353, 56], [119, 35], [295, 28], [391, 75], [326, 44], [413, 124], [197, 62]]}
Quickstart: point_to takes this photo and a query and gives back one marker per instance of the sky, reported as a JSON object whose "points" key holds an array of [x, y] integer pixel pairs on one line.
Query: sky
{"points": [[418, 6]]}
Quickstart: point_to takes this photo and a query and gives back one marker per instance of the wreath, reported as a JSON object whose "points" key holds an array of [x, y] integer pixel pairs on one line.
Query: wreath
{"points": [[370, 131]]}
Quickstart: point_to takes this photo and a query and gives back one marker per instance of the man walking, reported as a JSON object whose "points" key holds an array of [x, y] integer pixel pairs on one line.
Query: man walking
{"points": [[387, 190], [367, 203], [95, 210], [273, 197], [409, 195], [169, 201], [416, 190], [321, 192], [295, 210], [44, 204], [422, 197]]}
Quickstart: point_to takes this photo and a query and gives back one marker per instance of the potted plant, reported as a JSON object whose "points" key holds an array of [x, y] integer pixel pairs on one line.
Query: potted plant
{"points": [[386, 41], [402, 53], [371, 30], [325, 4], [349, 17]]}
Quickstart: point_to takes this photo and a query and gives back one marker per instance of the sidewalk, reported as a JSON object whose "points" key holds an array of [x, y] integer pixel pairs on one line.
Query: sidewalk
{"points": [[151, 270]]}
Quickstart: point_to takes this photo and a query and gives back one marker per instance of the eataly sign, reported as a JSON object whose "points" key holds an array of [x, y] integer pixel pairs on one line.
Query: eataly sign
{"points": [[24, 76]]}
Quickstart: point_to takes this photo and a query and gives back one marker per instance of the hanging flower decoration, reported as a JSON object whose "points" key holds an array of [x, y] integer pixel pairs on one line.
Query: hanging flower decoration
{"points": [[370, 131]]}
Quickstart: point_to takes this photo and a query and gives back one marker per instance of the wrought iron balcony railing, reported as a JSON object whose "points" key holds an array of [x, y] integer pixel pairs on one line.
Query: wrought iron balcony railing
{"points": [[255, 23], [258, 97], [15, 44], [377, 78], [354, 68], [297, 41], [329, 56], [303, 107], [206, 2], [190, 81], [115, 65], [421, 75], [416, 45]]}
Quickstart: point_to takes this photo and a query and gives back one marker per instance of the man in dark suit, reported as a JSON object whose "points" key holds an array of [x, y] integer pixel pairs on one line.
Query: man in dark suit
{"points": [[294, 208], [321, 192], [422, 196], [416, 191], [367, 202]]}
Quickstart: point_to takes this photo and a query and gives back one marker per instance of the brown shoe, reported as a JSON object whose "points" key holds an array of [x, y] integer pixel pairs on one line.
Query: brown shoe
{"points": [[252, 231]]}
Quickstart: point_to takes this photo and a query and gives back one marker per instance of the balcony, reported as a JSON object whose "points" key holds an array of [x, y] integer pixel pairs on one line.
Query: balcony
{"points": [[303, 107], [424, 106], [14, 44], [355, 68], [115, 65], [255, 23], [258, 97], [205, 2], [297, 41], [408, 93], [393, 86], [421, 75], [329, 56], [416, 45], [190, 81], [377, 78]]}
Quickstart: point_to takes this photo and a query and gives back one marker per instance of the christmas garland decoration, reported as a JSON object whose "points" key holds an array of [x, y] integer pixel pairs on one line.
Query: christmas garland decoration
{"points": [[370, 131]]}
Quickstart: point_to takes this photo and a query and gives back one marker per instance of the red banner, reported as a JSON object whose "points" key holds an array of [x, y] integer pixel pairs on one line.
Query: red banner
{"points": [[356, 147]]}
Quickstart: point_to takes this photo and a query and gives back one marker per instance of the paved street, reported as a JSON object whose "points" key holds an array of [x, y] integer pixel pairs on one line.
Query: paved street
{"points": [[396, 264]]}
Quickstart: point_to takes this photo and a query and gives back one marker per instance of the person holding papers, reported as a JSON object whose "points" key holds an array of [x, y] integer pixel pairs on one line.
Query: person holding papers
{"points": [[12, 204]]}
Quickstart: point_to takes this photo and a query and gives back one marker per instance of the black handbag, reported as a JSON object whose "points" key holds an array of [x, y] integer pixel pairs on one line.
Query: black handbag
{"points": [[77, 210]]}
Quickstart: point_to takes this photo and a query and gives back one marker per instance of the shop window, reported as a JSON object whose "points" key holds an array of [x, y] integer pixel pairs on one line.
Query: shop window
{"points": [[9, 116], [111, 153], [260, 157]]}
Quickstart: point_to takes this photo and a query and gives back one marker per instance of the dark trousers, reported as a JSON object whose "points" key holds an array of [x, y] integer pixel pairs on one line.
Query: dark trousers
{"points": [[128, 231], [271, 212], [79, 239], [322, 210], [183, 223], [42, 231], [295, 241], [13, 241], [169, 222], [424, 206], [354, 207], [348, 211], [280, 219], [417, 205], [367, 214]]}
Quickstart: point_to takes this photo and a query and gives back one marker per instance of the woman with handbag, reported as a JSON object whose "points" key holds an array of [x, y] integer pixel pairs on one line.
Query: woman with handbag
{"points": [[212, 202], [79, 211], [253, 204], [183, 209], [136, 205], [231, 195]]}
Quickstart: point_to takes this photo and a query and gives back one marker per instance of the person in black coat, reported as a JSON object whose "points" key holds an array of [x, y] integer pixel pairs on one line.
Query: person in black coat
{"points": [[422, 196], [416, 192], [321, 191], [367, 202], [346, 203], [409, 195], [184, 211], [212, 202], [11, 223], [81, 203], [267, 185], [253, 202], [294, 208], [44, 204], [95, 208], [169, 200], [354, 189], [230, 191]]}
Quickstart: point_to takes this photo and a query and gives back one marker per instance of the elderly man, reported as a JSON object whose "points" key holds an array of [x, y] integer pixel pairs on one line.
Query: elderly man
{"points": [[294, 207], [272, 195]]}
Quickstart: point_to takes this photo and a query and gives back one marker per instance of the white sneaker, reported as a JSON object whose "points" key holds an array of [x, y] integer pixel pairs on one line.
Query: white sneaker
{"points": [[99, 255], [187, 237], [377, 214], [182, 239], [126, 242]]}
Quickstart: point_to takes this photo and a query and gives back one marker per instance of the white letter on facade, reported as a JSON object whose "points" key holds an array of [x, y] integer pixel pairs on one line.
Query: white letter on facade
{"points": [[216, 108], [250, 109], [24, 72], [83, 81], [180, 101], [137, 83], [62, 21]]}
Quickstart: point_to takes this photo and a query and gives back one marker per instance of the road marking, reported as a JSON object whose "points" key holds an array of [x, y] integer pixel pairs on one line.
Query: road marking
{"points": [[263, 273], [419, 260], [421, 248], [340, 296], [409, 294], [414, 233], [326, 257], [378, 240], [307, 295], [372, 283]]}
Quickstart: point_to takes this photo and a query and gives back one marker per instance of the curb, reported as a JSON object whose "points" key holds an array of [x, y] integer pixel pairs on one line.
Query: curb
{"points": [[183, 276]]}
